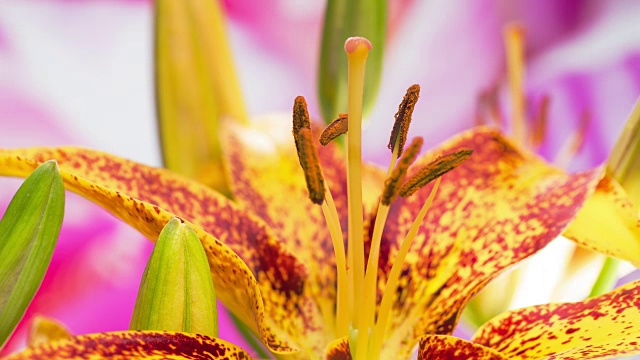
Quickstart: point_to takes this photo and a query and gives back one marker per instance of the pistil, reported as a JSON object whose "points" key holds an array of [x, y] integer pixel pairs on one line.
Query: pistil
{"points": [[357, 50]]}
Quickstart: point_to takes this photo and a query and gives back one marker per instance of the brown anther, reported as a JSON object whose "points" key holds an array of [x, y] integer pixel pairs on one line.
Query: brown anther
{"points": [[308, 156], [434, 170], [393, 183], [300, 118], [403, 118], [337, 127]]}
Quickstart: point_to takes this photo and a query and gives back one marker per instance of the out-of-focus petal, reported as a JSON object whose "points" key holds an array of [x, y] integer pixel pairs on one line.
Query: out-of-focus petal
{"points": [[608, 223], [44, 330]]}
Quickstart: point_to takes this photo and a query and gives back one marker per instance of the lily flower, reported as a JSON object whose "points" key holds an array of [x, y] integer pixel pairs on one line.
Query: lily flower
{"points": [[278, 260]]}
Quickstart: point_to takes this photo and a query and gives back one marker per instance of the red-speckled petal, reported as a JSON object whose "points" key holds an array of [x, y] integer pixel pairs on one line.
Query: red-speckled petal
{"points": [[601, 327], [438, 347], [254, 274], [266, 178], [338, 350], [499, 207], [135, 344], [608, 223]]}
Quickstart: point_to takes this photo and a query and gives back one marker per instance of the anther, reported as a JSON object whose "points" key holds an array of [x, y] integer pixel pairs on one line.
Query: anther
{"points": [[308, 156], [433, 170], [393, 183], [300, 118], [403, 118], [337, 127]]}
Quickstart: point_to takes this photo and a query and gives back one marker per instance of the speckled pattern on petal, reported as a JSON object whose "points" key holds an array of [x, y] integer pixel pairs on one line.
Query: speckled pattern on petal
{"points": [[496, 209], [135, 344], [600, 327], [439, 347], [254, 274]]}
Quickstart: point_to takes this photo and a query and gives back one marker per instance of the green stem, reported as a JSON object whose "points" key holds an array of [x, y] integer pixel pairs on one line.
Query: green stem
{"points": [[607, 278], [251, 338]]}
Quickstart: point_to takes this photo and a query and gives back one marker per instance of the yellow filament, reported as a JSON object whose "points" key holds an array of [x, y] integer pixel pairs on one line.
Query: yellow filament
{"points": [[342, 314], [371, 277], [392, 282], [514, 42]]}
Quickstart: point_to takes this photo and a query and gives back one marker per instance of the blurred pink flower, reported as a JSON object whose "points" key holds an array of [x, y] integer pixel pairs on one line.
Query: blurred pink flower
{"points": [[584, 54]]}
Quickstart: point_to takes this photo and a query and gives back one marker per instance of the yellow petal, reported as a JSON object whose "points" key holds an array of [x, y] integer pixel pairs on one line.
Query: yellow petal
{"points": [[499, 207], [608, 223], [196, 87], [600, 327], [253, 273], [436, 347], [135, 344], [44, 330], [338, 350]]}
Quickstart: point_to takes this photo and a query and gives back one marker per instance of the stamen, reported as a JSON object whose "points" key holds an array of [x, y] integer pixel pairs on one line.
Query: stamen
{"points": [[514, 42], [433, 170], [393, 183], [394, 275], [342, 296], [308, 156], [388, 195], [337, 127], [357, 50], [488, 106], [403, 118], [540, 123], [300, 119], [574, 142]]}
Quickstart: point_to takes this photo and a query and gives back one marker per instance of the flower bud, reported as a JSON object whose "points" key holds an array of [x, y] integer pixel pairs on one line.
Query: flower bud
{"points": [[176, 292]]}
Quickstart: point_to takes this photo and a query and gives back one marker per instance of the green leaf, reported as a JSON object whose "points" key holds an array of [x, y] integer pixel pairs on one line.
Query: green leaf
{"points": [[28, 234], [176, 292], [344, 19]]}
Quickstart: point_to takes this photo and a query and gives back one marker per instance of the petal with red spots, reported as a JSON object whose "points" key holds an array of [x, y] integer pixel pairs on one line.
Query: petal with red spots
{"points": [[605, 326], [254, 274], [135, 344], [499, 207], [437, 347]]}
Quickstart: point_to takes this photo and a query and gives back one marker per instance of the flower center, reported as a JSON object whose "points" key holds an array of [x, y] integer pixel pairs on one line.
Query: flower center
{"points": [[357, 284]]}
